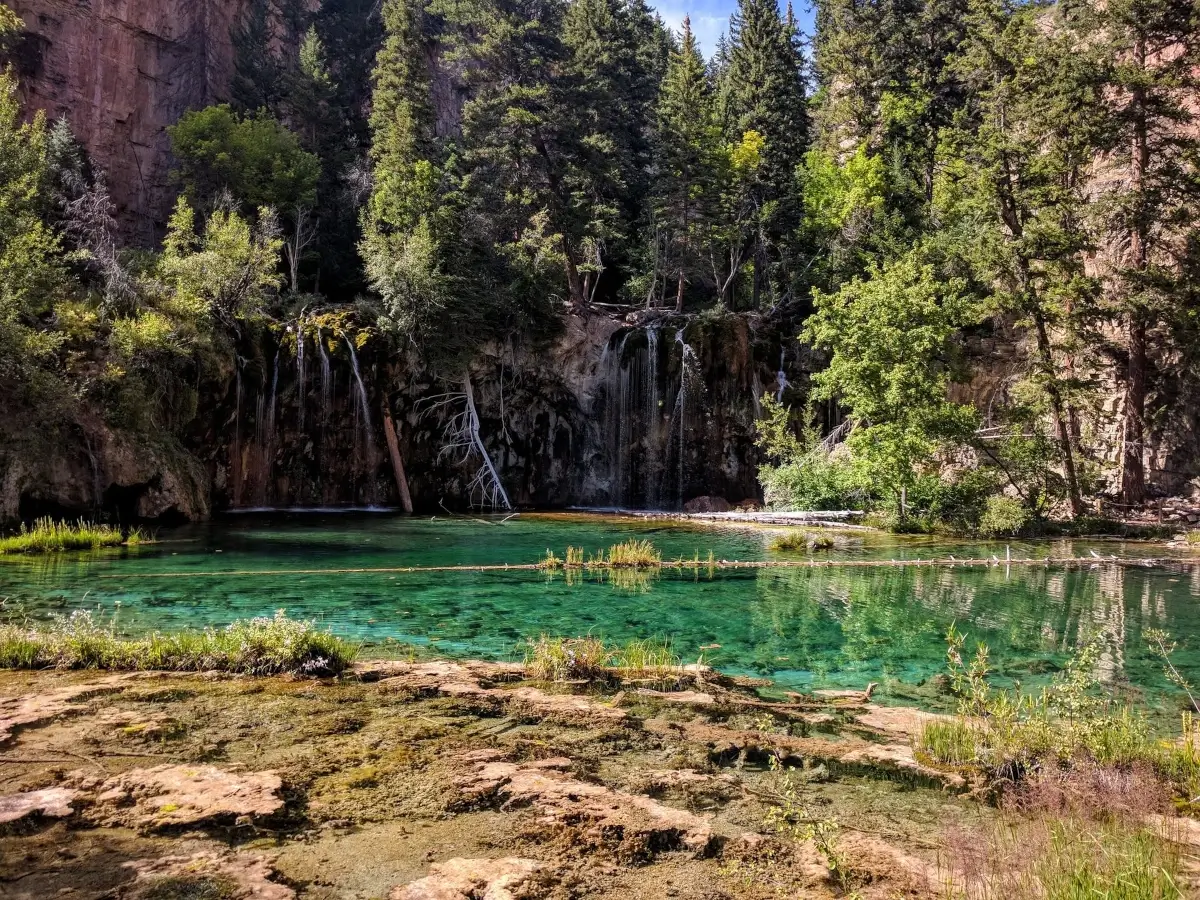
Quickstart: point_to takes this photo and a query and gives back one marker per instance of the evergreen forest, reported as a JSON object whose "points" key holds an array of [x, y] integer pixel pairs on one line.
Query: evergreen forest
{"points": [[914, 183]]}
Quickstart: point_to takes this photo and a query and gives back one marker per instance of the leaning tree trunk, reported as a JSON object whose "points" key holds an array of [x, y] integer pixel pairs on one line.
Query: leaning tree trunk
{"points": [[488, 478]]}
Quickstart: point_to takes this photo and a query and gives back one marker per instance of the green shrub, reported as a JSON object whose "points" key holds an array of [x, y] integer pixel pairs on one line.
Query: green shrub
{"points": [[260, 646], [811, 482], [1004, 517]]}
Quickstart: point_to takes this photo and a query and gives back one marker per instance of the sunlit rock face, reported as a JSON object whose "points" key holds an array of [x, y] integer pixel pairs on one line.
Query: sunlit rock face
{"points": [[121, 71]]}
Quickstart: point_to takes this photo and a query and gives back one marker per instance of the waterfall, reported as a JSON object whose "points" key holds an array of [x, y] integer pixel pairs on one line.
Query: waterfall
{"points": [[637, 438], [300, 374], [781, 377], [326, 379], [270, 422], [361, 391], [235, 462], [616, 406], [651, 415]]}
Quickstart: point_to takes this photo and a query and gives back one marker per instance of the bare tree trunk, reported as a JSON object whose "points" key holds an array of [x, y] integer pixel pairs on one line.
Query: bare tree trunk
{"points": [[1057, 408], [1133, 472], [574, 280], [679, 293], [497, 489], [389, 432]]}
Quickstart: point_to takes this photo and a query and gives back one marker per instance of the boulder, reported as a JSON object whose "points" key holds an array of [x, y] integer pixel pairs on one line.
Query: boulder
{"points": [[707, 505]]}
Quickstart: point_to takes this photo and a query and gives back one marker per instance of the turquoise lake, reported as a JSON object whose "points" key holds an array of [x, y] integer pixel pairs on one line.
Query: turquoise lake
{"points": [[802, 628]]}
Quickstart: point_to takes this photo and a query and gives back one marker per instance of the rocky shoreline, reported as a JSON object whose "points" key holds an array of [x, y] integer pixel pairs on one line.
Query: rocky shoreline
{"points": [[438, 780]]}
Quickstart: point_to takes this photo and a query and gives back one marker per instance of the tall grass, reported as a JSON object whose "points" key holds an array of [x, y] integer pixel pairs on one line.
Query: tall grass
{"points": [[591, 659], [1063, 859], [795, 541], [1011, 733], [259, 646], [49, 536]]}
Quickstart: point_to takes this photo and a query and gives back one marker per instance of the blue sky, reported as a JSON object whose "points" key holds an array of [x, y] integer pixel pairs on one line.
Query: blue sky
{"points": [[711, 17]]}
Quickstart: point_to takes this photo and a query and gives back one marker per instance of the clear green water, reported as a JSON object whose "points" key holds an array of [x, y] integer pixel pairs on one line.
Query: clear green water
{"points": [[802, 628]]}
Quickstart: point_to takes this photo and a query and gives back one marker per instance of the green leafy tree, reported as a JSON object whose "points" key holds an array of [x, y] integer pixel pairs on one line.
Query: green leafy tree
{"points": [[257, 162], [224, 275], [32, 270], [893, 355], [254, 158]]}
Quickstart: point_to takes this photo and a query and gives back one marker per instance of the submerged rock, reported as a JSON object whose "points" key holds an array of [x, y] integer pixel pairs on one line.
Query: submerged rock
{"points": [[510, 878]]}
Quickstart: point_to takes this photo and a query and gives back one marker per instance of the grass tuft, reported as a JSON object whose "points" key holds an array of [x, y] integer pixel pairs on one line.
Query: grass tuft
{"points": [[591, 659], [644, 657], [950, 742], [48, 536], [630, 555], [565, 659], [260, 646]]}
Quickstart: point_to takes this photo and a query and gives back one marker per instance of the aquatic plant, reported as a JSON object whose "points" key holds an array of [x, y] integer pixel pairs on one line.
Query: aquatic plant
{"points": [[795, 541], [48, 536], [259, 646], [630, 554]]}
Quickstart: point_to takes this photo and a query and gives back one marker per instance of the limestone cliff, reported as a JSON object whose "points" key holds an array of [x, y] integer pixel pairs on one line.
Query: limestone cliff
{"points": [[121, 71]]}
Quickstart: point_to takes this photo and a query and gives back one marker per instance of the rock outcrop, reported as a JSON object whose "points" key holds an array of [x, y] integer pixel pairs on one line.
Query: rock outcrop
{"points": [[121, 71]]}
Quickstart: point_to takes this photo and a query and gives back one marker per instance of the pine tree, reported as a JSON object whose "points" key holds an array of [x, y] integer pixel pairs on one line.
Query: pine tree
{"points": [[762, 93], [256, 72], [689, 150], [1154, 50], [763, 88], [611, 112]]}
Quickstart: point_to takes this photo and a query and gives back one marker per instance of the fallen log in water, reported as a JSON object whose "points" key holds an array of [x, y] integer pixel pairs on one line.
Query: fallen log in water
{"points": [[691, 565]]}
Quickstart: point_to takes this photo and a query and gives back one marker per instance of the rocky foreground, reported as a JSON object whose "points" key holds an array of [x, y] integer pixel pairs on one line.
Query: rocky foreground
{"points": [[462, 781]]}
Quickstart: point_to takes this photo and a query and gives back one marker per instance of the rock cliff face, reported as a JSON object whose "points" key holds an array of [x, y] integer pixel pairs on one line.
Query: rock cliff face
{"points": [[121, 71]]}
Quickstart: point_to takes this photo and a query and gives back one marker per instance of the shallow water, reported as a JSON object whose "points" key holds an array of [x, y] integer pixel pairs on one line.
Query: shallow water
{"points": [[803, 628]]}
